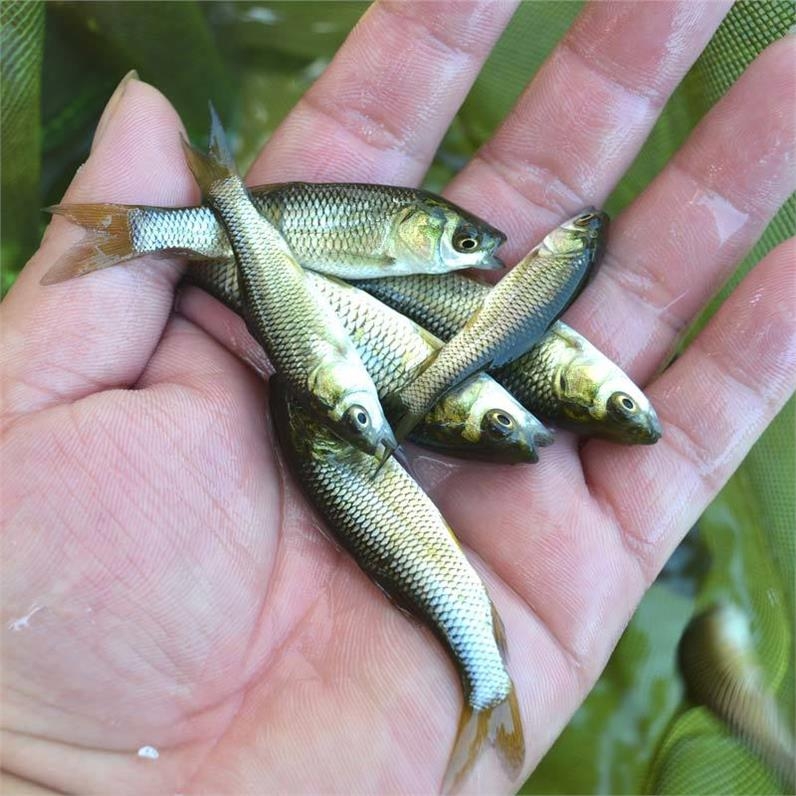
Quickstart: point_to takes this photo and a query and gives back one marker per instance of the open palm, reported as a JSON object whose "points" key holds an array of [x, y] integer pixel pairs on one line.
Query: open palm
{"points": [[164, 584]]}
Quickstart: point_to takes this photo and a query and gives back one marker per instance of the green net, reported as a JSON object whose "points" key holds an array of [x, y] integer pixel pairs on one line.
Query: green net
{"points": [[21, 44], [745, 540]]}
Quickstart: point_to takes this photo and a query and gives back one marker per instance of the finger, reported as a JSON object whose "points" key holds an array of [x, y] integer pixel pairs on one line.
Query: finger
{"points": [[714, 402], [379, 111], [189, 357], [579, 124], [682, 238], [65, 341]]}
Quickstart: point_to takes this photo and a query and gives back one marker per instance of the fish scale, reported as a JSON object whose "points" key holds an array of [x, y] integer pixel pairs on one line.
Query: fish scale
{"points": [[393, 347], [511, 317], [396, 534], [563, 378], [399, 538], [443, 304]]}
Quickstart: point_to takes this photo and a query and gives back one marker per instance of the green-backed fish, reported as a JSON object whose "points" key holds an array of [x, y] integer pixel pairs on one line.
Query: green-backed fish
{"points": [[512, 316], [302, 336], [478, 419], [400, 540], [349, 230], [563, 378]]}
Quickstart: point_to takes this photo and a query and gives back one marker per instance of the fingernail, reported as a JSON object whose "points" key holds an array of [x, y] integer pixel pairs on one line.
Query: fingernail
{"points": [[113, 104]]}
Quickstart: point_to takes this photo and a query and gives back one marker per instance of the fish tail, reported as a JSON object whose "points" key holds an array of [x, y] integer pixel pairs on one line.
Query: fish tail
{"points": [[405, 420], [500, 726], [108, 242], [215, 165]]}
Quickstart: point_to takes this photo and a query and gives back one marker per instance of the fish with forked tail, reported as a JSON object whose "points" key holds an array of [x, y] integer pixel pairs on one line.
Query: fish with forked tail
{"points": [[401, 541], [302, 336], [349, 230]]}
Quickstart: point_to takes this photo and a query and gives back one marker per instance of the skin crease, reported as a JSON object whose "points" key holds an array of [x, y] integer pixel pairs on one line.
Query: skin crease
{"points": [[177, 590]]}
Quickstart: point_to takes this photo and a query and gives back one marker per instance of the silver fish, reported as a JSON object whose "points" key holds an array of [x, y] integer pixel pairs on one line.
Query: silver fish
{"points": [[401, 541], [302, 336], [478, 419], [343, 229]]}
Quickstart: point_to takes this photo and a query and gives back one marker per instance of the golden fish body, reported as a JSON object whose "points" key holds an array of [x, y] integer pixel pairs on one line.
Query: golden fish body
{"points": [[563, 378], [512, 316], [302, 336], [401, 541], [349, 230], [478, 419]]}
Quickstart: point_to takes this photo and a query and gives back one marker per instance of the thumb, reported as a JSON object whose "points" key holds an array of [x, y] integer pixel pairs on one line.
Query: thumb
{"points": [[68, 340]]}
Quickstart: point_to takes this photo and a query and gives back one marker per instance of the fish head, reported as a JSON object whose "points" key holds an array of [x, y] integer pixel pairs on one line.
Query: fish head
{"points": [[346, 401], [479, 419], [600, 399], [436, 237], [583, 234], [631, 411], [361, 421]]}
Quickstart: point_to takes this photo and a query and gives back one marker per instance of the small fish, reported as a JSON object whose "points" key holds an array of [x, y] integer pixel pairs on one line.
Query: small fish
{"points": [[566, 379], [349, 230], [302, 336], [401, 541], [478, 419], [722, 671], [563, 378], [511, 317]]}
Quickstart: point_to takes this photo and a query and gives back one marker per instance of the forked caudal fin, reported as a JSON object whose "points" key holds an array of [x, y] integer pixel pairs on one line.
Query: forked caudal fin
{"points": [[501, 726], [108, 243], [215, 165]]}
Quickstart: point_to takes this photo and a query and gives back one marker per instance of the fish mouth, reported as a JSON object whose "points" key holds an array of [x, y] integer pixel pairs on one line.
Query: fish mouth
{"points": [[388, 441], [490, 263], [653, 430], [646, 432], [543, 437], [519, 450], [386, 446]]}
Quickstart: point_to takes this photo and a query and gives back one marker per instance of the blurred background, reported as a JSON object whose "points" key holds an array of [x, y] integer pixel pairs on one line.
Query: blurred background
{"points": [[640, 730]]}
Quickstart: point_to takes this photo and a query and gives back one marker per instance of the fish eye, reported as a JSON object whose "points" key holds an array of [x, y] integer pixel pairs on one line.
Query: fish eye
{"points": [[623, 402], [585, 219], [499, 423], [466, 241], [358, 417]]}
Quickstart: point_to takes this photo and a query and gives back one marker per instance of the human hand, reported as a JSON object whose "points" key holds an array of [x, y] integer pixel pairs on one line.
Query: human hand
{"points": [[178, 592]]}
